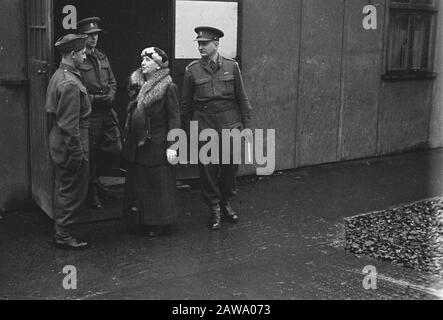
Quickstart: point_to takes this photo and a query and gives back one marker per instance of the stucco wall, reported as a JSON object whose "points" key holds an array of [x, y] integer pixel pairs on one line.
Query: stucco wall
{"points": [[14, 181]]}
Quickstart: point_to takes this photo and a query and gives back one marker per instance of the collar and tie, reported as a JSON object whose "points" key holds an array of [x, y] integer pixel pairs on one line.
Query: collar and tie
{"points": [[212, 65]]}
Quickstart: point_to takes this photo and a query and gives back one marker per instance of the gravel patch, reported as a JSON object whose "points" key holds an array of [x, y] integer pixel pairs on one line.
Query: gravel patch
{"points": [[409, 235]]}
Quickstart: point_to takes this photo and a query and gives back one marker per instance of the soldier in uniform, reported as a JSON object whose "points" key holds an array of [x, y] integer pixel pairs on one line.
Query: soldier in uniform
{"points": [[104, 132], [68, 104], [214, 95]]}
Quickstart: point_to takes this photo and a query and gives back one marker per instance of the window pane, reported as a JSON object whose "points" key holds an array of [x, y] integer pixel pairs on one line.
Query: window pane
{"points": [[219, 14], [398, 41], [421, 33], [414, 4], [426, 2], [430, 2]]}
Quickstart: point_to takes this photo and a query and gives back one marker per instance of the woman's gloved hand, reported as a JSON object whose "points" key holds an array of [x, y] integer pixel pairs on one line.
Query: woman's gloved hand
{"points": [[172, 156]]}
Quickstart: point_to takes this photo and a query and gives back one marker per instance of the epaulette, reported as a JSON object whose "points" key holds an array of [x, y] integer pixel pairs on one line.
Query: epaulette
{"points": [[67, 76], [230, 59], [192, 63]]}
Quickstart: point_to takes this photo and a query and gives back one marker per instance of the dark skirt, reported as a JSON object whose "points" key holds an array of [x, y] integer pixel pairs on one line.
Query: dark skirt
{"points": [[153, 191]]}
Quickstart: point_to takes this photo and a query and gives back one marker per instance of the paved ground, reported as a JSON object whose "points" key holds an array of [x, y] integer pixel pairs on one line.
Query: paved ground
{"points": [[288, 245]]}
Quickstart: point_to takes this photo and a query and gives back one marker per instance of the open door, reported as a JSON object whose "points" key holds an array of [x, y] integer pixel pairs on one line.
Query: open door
{"points": [[39, 28]]}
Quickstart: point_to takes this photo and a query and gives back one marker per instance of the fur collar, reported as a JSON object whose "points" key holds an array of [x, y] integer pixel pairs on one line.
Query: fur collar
{"points": [[151, 91], [137, 78], [154, 88]]}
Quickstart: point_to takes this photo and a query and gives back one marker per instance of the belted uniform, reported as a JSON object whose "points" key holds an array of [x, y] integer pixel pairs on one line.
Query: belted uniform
{"points": [[104, 133], [214, 95]]}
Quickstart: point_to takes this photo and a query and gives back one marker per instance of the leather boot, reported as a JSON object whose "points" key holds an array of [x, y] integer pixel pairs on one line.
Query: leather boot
{"points": [[70, 243], [215, 221], [93, 198], [229, 213]]}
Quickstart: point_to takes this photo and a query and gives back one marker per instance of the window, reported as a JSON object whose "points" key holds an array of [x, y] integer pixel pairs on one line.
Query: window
{"points": [[411, 39], [222, 14]]}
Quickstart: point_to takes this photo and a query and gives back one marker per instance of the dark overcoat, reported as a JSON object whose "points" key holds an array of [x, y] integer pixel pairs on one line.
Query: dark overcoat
{"points": [[150, 180]]}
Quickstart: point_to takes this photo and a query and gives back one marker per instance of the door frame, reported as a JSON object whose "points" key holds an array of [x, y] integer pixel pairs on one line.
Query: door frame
{"points": [[44, 198]]}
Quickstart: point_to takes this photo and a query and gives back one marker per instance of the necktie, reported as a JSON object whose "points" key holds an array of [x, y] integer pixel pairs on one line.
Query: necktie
{"points": [[213, 66]]}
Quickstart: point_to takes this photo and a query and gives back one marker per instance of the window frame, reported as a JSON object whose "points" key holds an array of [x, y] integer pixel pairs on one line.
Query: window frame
{"points": [[409, 73]]}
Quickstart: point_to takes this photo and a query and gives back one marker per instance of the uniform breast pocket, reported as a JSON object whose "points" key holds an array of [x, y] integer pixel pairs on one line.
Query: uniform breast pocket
{"points": [[105, 70], [203, 88], [87, 72], [228, 84]]}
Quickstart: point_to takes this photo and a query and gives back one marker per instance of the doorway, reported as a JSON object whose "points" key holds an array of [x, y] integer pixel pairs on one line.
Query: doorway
{"points": [[129, 26]]}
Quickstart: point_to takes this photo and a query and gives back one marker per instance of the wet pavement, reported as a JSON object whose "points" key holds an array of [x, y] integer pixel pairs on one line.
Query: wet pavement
{"points": [[289, 244]]}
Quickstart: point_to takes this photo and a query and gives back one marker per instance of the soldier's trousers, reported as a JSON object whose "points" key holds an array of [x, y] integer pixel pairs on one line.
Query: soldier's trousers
{"points": [[218, 180], [105, 144], [71, 189]]}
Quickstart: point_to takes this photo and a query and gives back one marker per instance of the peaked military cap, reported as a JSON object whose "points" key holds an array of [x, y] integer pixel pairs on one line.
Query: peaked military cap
{"points": [[208, 34], [89, 25], [71, 42]]}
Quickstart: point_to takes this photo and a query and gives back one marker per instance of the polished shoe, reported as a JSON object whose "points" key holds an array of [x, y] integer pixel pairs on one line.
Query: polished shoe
{"points": [[215, 221], [94, 200], [70, 243], [155, 232], [134, 210], [229, 213]]}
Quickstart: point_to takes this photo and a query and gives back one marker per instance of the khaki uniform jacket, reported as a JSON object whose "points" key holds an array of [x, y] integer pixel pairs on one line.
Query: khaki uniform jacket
{"points": [[217, 99], [67, 100], [98, 78]]}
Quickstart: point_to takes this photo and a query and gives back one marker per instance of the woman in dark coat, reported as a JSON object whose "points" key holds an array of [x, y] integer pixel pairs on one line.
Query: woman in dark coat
{"points": [[153, 111]]}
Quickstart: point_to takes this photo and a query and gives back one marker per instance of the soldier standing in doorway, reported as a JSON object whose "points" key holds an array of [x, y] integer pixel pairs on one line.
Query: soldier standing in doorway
{"points": [[68, 104], [104, 132], [214, 95]]}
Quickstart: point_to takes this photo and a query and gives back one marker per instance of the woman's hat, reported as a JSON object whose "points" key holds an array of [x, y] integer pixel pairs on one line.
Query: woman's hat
{"points": [[156, 54]]}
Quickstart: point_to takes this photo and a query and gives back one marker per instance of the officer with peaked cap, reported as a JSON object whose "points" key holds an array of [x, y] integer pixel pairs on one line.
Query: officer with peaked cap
{"points": [[214, 95], [68, 104], [104, 132]]}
